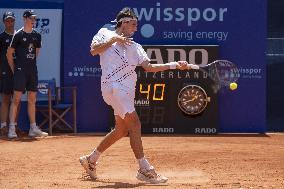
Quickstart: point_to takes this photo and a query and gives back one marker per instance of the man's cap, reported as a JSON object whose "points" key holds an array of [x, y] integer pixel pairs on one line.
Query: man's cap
{"points": [[29, 13], [8, 14]]}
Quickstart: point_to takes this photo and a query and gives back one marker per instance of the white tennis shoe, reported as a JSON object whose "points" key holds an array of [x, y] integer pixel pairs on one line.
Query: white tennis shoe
{"points": [[89, 167], [12, 132], [36, 132], [150, 176]]}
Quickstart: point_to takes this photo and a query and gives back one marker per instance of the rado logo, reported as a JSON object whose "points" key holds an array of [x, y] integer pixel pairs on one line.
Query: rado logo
{"points": [[164, 54], [163, 130], [205, 130], [141, 102]]}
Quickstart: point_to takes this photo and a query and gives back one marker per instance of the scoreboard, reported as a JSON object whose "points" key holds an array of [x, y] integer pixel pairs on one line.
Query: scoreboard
{"points": [[175, 101]]}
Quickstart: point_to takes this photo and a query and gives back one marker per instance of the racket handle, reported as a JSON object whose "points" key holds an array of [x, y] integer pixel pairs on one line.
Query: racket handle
{"points": [[192, 66]]}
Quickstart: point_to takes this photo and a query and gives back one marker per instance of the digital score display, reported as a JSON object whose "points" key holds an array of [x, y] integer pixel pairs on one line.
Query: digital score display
{"points": [[149, 103], [157, 92], [168, 102]]}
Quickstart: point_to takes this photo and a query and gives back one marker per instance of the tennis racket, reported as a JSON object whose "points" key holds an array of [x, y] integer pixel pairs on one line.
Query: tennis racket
{"points": [[222, 72]]}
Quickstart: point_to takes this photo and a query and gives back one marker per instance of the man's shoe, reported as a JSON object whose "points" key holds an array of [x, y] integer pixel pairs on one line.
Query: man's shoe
{"points": [[89, 167], [150, 176], [4, 131], [12, 132], [36, 132]]}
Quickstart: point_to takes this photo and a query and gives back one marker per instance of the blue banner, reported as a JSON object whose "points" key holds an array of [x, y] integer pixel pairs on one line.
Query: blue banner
{"points": [[238, 27]]}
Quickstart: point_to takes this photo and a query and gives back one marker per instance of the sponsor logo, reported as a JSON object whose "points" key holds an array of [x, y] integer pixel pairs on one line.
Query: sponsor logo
{"points": [[31, 47], [85, 71], [43, 88], [7, 40], [163, 130], [205, 130], [187, 15], [31, 55], [142, 102], [42, 25], [198, 56], [251, 73]]}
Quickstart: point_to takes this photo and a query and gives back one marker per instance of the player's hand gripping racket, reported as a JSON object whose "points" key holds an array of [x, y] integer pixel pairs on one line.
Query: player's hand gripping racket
{"points": [[222, 72]]}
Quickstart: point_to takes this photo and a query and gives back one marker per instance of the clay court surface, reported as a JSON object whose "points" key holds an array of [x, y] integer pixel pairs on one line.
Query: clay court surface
{"points": [[225, 161]]}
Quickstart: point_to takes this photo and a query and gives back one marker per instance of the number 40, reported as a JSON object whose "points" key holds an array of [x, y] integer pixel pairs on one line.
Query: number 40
{"points": [[158, 93]]}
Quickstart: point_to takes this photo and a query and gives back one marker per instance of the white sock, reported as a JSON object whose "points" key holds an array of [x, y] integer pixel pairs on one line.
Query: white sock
{"points": [[144, 164], [33, 126], [94, 156], [12, 124], [4, 124]]}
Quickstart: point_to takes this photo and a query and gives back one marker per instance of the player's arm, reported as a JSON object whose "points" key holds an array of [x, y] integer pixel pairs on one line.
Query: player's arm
{"points": [[10, 52], [100, 47], [181, 65], [38, 45], [37, 51]]}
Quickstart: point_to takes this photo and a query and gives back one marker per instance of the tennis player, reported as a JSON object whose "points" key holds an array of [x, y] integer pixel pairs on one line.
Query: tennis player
{"points": [[119, 56]]}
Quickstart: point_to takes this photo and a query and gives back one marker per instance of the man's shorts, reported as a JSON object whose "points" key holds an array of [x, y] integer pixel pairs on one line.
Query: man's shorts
{"points": [[120, 99], [25, 78], [6, 86]]}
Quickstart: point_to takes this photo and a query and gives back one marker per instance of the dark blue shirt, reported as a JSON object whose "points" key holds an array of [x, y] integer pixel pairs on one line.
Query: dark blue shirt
{"points": [[25, 45], [5, 40]]}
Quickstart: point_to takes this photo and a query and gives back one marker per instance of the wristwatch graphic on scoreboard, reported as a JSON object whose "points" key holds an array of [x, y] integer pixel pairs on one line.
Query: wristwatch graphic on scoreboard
{"points": [[192, 99]]}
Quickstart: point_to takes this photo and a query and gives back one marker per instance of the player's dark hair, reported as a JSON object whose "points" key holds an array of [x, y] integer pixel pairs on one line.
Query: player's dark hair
{"points": [[125, 12]]}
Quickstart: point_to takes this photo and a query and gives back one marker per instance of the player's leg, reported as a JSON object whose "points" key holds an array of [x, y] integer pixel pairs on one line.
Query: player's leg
{"points": [[5, 112], [117, 133], [7, 92], [89, 161], [12, 114], [34, 130], [5, 105], [18, 130], [19, 85], [31, 106], [6, 99], [146, 171], [120, 127], [134, 128], [31, 86], [124, 106]]}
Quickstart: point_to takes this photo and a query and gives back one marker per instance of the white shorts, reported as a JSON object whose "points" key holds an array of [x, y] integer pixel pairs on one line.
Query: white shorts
{"points": [[120, 99]]}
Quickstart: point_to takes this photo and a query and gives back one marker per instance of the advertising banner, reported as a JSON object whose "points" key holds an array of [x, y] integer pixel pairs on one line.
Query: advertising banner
{"points": [[237, 27]]}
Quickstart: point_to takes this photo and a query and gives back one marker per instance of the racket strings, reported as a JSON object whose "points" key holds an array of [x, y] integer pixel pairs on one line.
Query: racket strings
{"points": [[223, 73]]}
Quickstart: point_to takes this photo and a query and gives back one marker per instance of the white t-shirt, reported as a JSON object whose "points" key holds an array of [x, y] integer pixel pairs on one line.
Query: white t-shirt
{"points": [[118, 62]]}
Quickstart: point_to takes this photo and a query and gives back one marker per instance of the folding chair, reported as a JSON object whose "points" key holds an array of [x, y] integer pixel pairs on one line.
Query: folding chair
{"points": [[53, 105]]}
